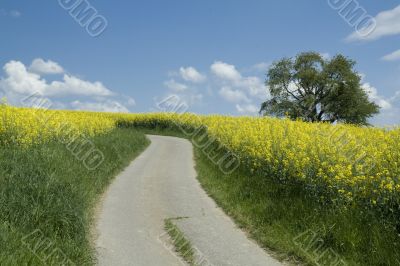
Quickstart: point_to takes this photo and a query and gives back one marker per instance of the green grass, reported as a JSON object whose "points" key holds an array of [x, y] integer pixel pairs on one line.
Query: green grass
{"points": [[48, 198], [283, 219], [182, 246], [292, 225]]}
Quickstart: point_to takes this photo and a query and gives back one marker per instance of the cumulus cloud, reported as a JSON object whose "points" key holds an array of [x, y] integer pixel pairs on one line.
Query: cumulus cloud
{"points": [[375, 97], [11, 13], [228, 74], [196, 97], [250, 109], [390, 106], [40, 66], [21, 81], [396, 97], [15, 13], [185, 89], [175, 86], [392, 56], [20, 84], [387, 24], [247, 92], [189, 98], [225, 71], [389, 116], [233, 96], [71, 85], [255, 87], [244, 91], [326, 56], [105, 106], [130, 101], [178, 103], [261, 67], [191, 74]]}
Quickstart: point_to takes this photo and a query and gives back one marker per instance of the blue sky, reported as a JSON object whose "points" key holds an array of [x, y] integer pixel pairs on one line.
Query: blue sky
{"points": [[212, 54]]}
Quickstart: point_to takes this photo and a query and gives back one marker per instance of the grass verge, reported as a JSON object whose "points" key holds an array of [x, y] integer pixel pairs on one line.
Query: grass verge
{"points": [[182, 246], [283, 219], [48, 197]]}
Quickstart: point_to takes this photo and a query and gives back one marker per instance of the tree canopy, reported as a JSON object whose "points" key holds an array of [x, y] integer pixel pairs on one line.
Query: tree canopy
{"points": [[315, 89]]}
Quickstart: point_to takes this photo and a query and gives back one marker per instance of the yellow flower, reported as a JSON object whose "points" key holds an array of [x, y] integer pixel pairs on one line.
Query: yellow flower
{"points": [[352, 162]]}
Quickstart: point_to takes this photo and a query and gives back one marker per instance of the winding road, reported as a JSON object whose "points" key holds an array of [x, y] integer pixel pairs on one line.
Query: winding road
{"points": [[160, 184]]}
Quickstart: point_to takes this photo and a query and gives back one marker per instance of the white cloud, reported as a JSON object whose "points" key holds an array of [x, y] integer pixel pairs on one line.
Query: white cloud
{"points": [[15, 13], [228, 74], [21, 81], [255, 87], [178, 103], [74, 86], [130, 101], [187, 94], [171, 103], [245, 92], [261, 67], [106, 106], [11, 13], [387, 24], [20, 85], [41, 66], [390, 106], [191, 74], [233, 96], [225, 71], [326, 56], [392, 56], [389, 116], [236, 88], [396, 97], [247, 109], [191, 98], [195, 98], [373, 95], [175, 86]]}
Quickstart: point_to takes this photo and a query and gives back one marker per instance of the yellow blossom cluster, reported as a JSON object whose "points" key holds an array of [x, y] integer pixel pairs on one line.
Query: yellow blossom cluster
{"points": [[358, 164], [355, 163], [27, 126]]}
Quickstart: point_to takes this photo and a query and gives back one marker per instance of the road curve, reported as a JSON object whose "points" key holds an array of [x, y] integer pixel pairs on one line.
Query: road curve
{"points": [[161, 183]]}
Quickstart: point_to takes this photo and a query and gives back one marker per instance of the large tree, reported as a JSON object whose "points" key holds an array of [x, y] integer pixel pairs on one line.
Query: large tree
{"points": [[315, 89]]}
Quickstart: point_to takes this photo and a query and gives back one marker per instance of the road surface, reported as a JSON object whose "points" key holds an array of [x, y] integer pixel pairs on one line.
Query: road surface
{"points": [[161, 183]]}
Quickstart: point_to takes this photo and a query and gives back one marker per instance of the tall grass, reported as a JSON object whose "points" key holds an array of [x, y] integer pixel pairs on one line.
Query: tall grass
{"points": [[47, 198]]}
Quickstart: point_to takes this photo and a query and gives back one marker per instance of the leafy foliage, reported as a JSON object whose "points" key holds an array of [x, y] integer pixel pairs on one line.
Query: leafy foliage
{"points": [[315, 89]]}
